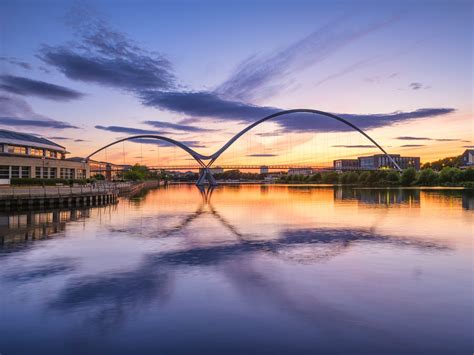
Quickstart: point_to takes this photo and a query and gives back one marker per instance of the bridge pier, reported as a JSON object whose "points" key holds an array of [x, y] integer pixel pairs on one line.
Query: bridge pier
{"points": [[205, 177]]}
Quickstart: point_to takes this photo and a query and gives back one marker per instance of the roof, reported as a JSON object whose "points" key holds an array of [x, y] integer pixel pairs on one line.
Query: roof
{"points": [[25, 137]]}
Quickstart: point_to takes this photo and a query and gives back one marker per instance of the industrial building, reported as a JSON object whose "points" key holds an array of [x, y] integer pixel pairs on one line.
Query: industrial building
{"points": [[29, 156]]}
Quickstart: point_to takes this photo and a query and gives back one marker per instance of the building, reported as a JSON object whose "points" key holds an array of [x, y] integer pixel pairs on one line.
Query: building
{"points": [[110, 171], [300, 171], [264, 169], [379, 161], [346, 164], [29, 156], [468, 158]]}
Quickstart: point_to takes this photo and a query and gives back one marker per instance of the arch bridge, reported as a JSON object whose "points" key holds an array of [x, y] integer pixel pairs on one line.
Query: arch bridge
{"points": [[206, 161]]}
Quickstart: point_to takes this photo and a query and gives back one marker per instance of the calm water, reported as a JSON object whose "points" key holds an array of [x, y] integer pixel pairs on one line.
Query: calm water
{"points": [[249, 269]]}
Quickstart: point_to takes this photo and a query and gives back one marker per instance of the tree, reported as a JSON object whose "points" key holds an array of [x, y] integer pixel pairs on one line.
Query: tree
{"points": [[316, 177], [408, 176], [393, 176], [352, 177], [330, 178], [427, 177], [364, 177], [136, 173], [450, 162]]}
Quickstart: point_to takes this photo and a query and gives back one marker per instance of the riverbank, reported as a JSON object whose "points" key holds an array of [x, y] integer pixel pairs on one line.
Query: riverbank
{"points": [[18, 197]]}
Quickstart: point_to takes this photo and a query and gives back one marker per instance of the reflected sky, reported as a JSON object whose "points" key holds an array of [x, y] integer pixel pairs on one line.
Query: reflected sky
{"points": [[241, 269]]}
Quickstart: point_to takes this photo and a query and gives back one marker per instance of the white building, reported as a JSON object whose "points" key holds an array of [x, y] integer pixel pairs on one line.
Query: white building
{"points": [[29, 156]]}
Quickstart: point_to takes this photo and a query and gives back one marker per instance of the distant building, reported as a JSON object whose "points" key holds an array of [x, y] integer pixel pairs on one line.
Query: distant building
{"points": [[300, 171], [109, 170], [264, 169], [216, 170], [29, 156], [468, 157], [346, 164], [377, 161]]}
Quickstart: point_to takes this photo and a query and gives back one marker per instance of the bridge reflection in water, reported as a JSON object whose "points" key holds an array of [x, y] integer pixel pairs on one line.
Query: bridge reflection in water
{"points": [[240, 257]]}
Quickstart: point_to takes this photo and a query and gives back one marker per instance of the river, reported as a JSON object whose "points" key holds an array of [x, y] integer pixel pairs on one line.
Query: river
{"points": [[242, 270]]}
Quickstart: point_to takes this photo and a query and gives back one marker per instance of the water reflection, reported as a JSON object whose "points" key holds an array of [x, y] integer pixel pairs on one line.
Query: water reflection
{"points": [[308, 265], [31, 225]]}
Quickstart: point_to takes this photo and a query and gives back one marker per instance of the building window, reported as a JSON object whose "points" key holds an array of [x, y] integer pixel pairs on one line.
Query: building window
{"points": [[15, 172], [25, 172], [15, 149], [52, 173], [67, 173], [36, 152], [81, 174], [38, 172], [50, 154], [4, 172]]}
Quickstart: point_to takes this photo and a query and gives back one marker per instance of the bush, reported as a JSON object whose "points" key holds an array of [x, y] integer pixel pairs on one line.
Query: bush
{"points": [[468, 175], [316, 177], [330, 178], [364, 177], [393, 176], [427, 177], [352, 177], [408, 176]]}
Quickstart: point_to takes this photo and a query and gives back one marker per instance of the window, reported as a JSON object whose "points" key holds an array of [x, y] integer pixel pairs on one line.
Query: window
{"points": [[81, 174], [15, 149], [50, 153], [53, 173], [67, 173], [25, 171], [15, 171], [4, 172], [38, 172], [36, 152]]}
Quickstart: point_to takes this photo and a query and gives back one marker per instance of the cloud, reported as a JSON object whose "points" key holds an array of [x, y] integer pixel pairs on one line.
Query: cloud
{"points": [[270, 134], [28, 87], [410, 138], [262, 155], [107, 57], [354, 146], [468, 146], [15, 61], [59, 138], [210, 105], [24, 122], [418, 86], [257, 75], [178, 127], [103, 56], [160, 143], [129, 130], [412, 145], [16, 112]]}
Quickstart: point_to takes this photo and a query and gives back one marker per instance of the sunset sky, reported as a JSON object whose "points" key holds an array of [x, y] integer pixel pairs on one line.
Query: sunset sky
{"points": [[85, 73]]}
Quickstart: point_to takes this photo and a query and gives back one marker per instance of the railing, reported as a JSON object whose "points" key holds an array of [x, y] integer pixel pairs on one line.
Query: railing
{"points": [[54, 191]]}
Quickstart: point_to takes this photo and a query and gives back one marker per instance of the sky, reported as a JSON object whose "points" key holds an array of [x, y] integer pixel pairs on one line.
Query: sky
{"points": [[86, 73]]}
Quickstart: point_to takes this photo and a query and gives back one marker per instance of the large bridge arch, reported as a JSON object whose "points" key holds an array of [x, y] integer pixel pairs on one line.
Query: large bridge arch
{"points": [[198, 157], [231, 141], [206, 172]]}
